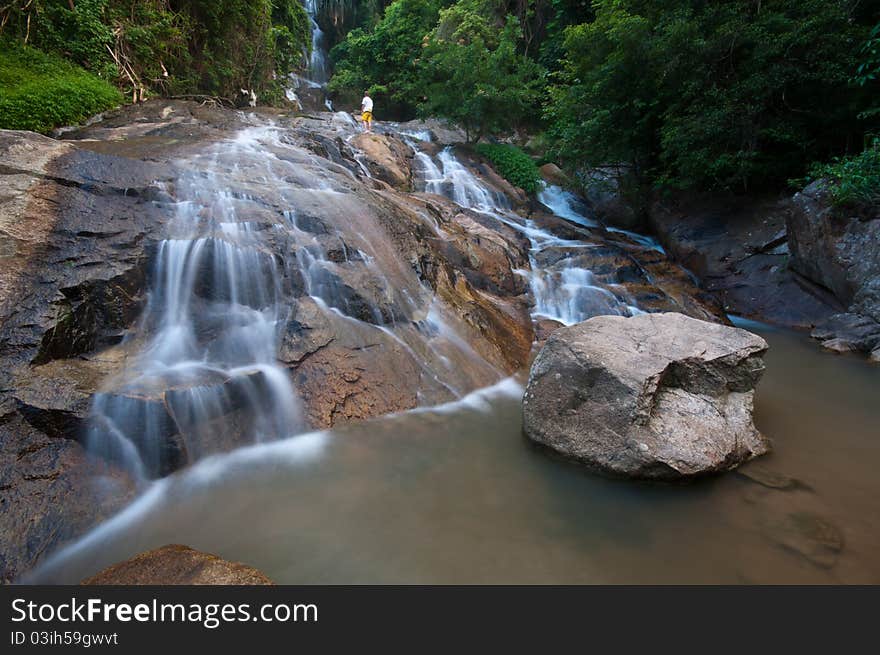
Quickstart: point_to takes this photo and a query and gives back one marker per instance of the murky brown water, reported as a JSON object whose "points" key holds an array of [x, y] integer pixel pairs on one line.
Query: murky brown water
{"points": [[459, 496]]}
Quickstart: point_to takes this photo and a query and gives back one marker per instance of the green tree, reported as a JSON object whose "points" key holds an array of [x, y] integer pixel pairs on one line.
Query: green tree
{"points": [[474, 75], [868, 73], [386, 59], [734, 94], [169, 46]]}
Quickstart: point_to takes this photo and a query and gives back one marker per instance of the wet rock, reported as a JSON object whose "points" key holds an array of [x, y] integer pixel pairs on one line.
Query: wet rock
{"points": [[544, 328], [441, 131], [808, 535], [737, 248], [653, 396], [50, 493], [345, 371], [604, 193], [178, 565], [839, 249], [388, 158], [849, 332], [554, 175]]}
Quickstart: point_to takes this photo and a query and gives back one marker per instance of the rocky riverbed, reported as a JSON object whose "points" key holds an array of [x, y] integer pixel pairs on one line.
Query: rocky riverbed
{"points": [[391, 296]]}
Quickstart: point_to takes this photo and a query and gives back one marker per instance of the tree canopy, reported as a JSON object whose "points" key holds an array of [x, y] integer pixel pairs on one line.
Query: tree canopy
{"points": [[686, 93]]}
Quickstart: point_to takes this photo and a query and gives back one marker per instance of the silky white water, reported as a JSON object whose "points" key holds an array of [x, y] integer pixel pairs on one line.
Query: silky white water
{"points": [[209, 335], [565, 292]]}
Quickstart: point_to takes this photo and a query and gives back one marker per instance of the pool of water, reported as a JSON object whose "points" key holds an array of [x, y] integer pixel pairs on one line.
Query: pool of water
{"points": [[458, 495]]}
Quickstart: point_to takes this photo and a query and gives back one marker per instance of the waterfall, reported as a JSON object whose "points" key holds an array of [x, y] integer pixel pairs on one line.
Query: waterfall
{"points": [[263, 241], [563, 291], [319, 71], [208, 340], [311, 87]]}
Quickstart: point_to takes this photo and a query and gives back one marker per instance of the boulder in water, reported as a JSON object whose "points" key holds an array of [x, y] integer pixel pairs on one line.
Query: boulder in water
{"points": [[659, 396], [178, 565], [554, 175]]}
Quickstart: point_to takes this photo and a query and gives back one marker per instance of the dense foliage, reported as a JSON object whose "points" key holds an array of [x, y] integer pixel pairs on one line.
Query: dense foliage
{"points": [[42, 91], [386, 58], [726, 94], [683, 93], [852, 180], [512, 164], [472, 74], [169, 47], [678, 93]]}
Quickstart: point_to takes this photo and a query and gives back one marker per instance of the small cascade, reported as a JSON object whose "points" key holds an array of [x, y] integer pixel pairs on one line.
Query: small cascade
{"points": [[565, 205], [205, 374], [456, 182], [562, 290], [311, 88]]}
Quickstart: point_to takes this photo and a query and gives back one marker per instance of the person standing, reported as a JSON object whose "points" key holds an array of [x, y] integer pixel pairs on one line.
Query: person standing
{"points": [[367, 111]]}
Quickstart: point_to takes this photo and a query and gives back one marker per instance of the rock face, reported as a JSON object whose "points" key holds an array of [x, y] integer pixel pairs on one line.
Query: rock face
{"points": [[178, 565], [387, 158], [839, 249], [658, 396], [739, 250], [609, 202], [554, 175]]}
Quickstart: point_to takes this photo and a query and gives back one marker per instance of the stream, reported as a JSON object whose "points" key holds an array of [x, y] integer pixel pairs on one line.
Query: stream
{"points": [[452, 492], [456, 494]]}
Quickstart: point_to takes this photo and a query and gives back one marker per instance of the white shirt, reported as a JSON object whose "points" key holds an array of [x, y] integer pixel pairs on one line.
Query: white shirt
{"points": [[367, 104]]}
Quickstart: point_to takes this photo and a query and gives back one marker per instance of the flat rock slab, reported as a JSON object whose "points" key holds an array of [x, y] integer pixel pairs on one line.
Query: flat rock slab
{"points": [[178, 565], [655, 396]]}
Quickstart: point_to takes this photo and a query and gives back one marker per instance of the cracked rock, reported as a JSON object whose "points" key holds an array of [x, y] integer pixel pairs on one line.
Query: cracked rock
{"points": [[657, 396]]}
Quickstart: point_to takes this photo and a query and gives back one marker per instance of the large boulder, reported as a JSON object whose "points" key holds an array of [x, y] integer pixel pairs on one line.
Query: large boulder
{"points": [[660, 396], [178, 565], [839, 249], [386, 157]]}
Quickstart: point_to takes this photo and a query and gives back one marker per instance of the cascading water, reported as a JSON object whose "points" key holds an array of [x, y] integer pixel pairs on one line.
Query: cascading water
{"points": [[262, 240], [565, 205], [563, 291], [457, 183], [319, 71], [313, 84], [207, 370]]}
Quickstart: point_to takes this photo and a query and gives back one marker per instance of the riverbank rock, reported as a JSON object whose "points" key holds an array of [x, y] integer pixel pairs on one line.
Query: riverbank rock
{"points": [[738, 248], [839, 249], [178, 565], [552, 174], [658, 396]]}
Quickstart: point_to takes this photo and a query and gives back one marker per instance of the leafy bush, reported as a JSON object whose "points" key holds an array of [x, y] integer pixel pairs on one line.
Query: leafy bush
{"points": [[169, 47], [513, 165], [42, 91], [852, 180]]}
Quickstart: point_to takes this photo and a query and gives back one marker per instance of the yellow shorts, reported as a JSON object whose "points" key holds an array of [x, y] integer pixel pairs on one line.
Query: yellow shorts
{"points": [[367, 116]]}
